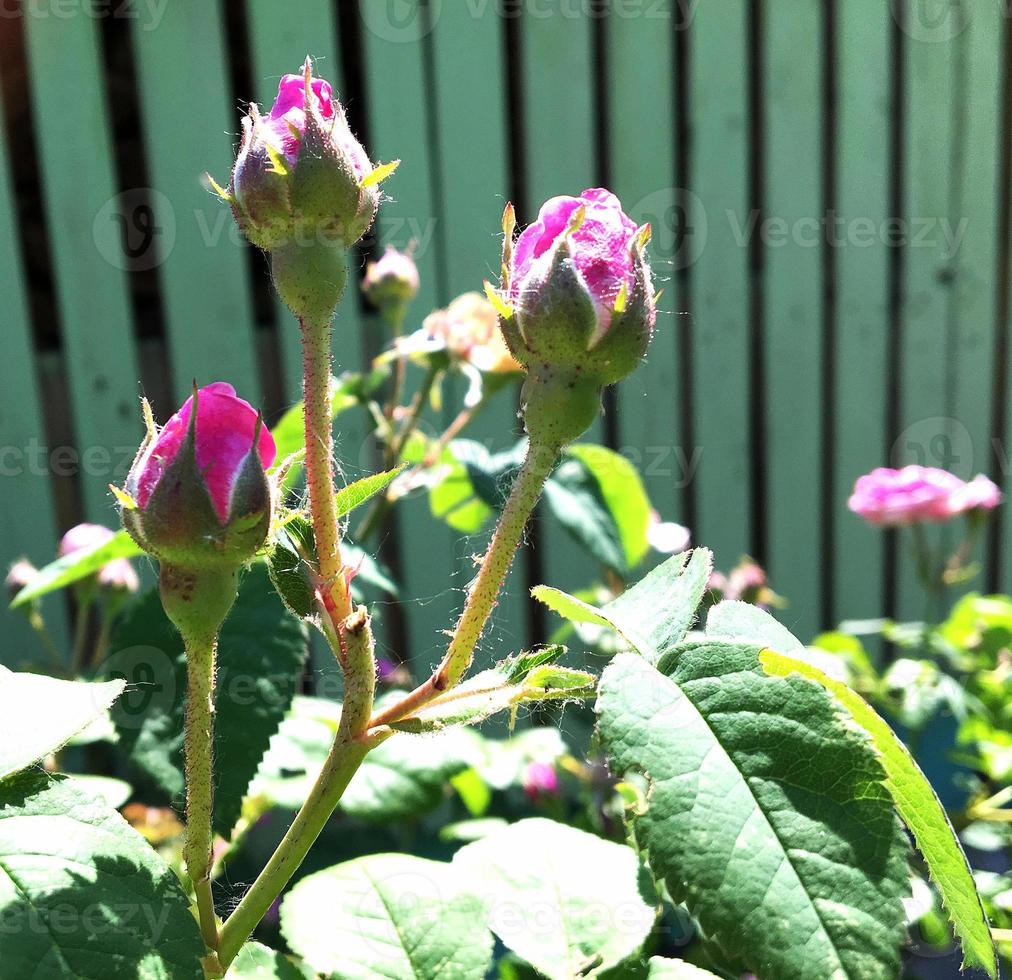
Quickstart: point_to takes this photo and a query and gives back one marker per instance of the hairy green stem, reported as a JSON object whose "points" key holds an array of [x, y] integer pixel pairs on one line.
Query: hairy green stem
{"points": [[316, 365], [346, 754], [200, 657], [483, 594]]}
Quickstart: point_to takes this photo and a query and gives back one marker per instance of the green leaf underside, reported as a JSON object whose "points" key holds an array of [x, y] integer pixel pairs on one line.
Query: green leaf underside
{"points": [[40, 714], [664, 969], [920, 809], [561, 898], [82, 895], [357, 493], [767, 814], [257, 962], [574, 498], [388, 916], [654, 614], [72, 568], [260, 656]]}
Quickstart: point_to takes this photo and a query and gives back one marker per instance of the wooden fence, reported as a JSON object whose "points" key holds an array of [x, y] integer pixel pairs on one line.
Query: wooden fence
{"points": [[828, 182]]}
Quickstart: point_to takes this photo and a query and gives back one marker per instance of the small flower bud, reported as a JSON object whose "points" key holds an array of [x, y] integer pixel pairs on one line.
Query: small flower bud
{"points": [[21, 574], [540, 781], [392, 282], [117, 575], [300, 174], [577, 308], [197, 495]]}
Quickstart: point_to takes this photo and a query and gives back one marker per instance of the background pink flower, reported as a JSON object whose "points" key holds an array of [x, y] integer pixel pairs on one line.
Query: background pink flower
{"points": [[892, 498]]}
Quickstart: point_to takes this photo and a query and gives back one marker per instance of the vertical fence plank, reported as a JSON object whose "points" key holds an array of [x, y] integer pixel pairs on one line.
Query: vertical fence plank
{"points": [[190, 127], [27, 525], [280, 38], [925, 426], [470, 85], [399, 105], [559, 129], [862, 262], [976, 215], [642, 145], [719, 171], [88, 259], [793, 304]]}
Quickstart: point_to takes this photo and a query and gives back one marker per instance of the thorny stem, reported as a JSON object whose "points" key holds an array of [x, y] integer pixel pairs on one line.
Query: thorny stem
{"points": [[482, 597], [316, 363], [346, 754]]}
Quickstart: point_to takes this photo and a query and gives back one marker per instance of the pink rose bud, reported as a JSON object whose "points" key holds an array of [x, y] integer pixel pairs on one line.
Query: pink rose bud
{"points": [[199, 490], [577, 308], [893, 498], [540, 780], [580, 288], [21, 574], [301, 175], [117, 575], [392, 282]]}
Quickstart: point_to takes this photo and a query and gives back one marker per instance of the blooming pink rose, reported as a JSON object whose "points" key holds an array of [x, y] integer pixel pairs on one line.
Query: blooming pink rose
{"points": [[891, 498], [979, 494], [200, 486], [579, 291], [117, 574]]}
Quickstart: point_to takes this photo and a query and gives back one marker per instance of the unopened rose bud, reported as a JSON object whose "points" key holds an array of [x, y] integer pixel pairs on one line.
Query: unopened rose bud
{"points": [[117, 575], [540, 781], [300, 172], [391, 282], [577, 307], [198, 489], [83, 537], [20, 575]]}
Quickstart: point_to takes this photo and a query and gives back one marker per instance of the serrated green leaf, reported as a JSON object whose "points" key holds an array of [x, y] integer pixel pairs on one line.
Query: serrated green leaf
{"points": [[920, 809], [623, 494], [654, 614], [565, 900], [74, 567], [388, 915], [357, 493], [256, 962], [83, 896], [41, 714], [261, 652], [768, 815]]}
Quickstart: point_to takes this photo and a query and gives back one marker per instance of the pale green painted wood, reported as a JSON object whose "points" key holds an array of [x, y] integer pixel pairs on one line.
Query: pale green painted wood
{"points": [[642, 148], [720, 317], [926, 433], [793, 306], [469, 85], [27, 520], [862, 265], [978, 188], [191, 127], [91, 287], [398, 121], [281, 36], [560, 138]]}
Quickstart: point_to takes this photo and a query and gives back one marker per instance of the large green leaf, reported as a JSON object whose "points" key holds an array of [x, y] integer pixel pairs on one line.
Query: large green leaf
{"points": [[73, 567], [40, 714], [257, 962], [623, 494], [663, 969], [768, 815], [563, 899], [920, 809], [82, 895], [260, 656], [388, 916], [655, 613]]}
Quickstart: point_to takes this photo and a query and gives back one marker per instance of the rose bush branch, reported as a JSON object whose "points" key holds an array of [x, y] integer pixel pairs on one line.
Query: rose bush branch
{"points": [[577, 311]]}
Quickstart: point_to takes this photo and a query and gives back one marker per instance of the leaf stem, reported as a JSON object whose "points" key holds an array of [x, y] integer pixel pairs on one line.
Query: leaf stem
{"points": [[346, 754], [316, 369], [481, 599]]}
